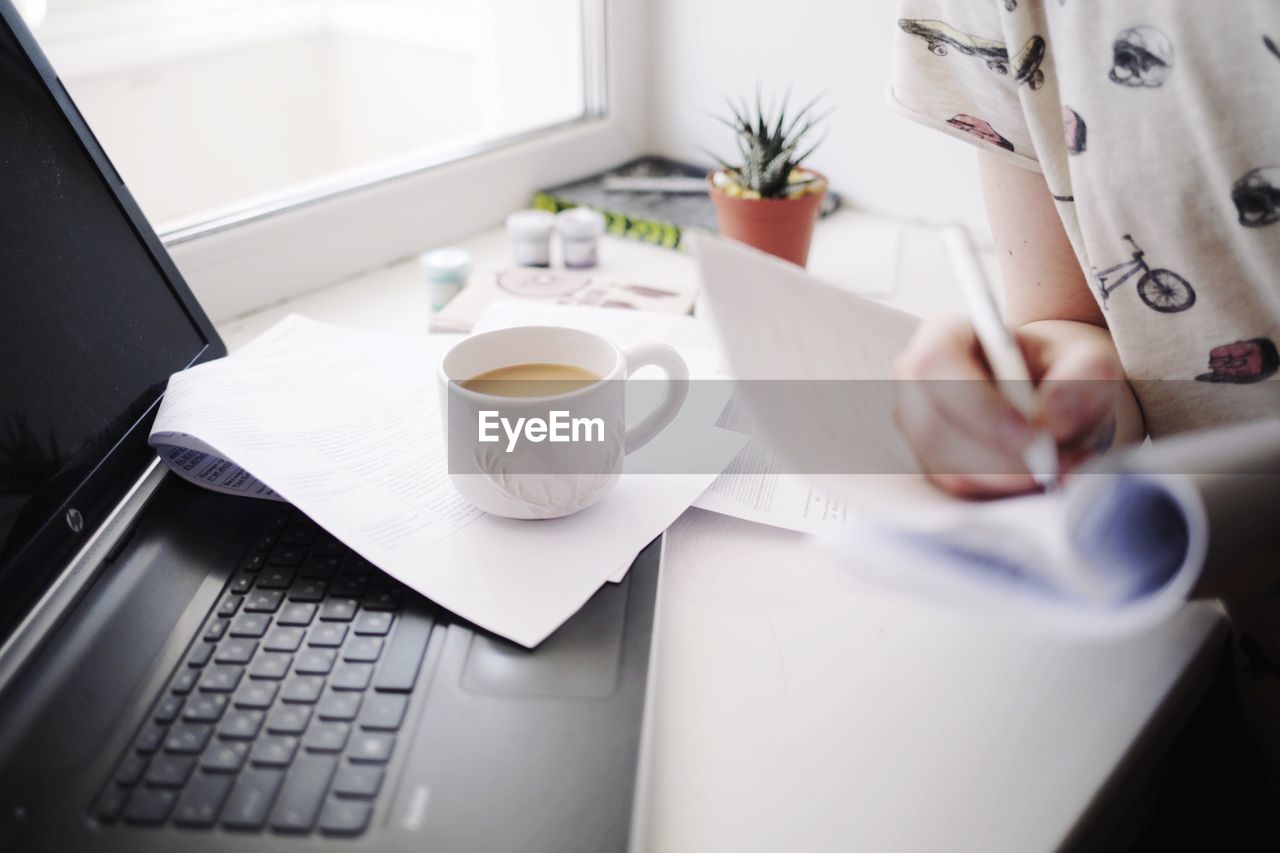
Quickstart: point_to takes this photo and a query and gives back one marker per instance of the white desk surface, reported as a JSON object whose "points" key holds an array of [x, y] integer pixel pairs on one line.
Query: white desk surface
{"points": [[795, 708]]}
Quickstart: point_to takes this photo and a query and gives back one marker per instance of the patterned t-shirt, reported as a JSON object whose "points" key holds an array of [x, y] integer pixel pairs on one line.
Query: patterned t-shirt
{"points": [[1157, 127]]}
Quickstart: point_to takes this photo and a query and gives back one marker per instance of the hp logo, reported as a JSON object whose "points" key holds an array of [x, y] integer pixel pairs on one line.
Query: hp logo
{"points": [[75, 520]]}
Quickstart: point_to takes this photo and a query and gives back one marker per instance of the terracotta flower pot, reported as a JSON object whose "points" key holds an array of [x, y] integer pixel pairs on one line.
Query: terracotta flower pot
{"points": [[779, 226]]}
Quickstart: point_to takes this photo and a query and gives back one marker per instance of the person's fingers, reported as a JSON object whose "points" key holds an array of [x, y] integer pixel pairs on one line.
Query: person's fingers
{"points": [[1079, 392], [952, 457], [945, 363]]}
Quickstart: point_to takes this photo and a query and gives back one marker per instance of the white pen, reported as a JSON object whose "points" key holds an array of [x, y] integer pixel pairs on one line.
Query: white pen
{"points": [[1002, 352]]}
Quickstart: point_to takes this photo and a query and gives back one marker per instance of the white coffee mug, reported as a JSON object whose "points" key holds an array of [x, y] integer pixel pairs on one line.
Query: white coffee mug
{"points": [[532, 474]]}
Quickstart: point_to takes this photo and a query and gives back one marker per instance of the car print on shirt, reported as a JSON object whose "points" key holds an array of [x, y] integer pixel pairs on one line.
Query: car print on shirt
{"points": [[1242, 362], [941, 37], [1256, 196], [1141, 57], [976, 127]]}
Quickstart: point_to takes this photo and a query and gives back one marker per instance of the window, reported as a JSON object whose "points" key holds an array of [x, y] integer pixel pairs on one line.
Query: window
{"points": [[214, 108]]}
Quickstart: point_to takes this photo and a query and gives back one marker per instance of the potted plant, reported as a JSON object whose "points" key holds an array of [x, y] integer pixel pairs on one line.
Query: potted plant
{"points": [[769, 201]]}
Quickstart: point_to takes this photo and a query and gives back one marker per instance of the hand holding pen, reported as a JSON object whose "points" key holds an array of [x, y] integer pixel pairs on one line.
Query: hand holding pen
{"points": [[1029, 404]]}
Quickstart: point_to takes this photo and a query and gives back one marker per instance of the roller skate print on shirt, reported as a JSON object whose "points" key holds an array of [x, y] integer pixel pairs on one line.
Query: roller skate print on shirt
{"points": [[941, 38], [1160, 289]]}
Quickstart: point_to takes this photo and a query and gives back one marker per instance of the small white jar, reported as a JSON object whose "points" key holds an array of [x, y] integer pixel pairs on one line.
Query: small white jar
{"points": [[530, 233], [580, 229], [445, 271]]}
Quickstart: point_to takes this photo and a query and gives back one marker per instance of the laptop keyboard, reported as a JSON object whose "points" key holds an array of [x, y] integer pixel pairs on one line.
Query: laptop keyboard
{"points": [[290, 701]]}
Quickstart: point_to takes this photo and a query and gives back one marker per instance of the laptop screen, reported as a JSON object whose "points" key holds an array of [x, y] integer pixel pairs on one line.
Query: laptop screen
{"points": [[90, 323]]}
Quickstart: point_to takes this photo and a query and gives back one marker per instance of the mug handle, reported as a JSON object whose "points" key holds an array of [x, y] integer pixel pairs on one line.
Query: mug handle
{"points": [[666, 358]]}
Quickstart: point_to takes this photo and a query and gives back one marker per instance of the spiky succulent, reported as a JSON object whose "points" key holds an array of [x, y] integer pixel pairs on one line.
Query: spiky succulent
{"points": [[768, 145]]}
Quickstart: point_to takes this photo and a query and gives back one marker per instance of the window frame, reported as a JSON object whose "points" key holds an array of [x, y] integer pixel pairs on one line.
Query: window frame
{"points": [[263, 255]]}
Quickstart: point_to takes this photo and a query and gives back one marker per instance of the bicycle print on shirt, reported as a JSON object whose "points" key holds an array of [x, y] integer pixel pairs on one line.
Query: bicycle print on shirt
{"points": [[1160, 289]]}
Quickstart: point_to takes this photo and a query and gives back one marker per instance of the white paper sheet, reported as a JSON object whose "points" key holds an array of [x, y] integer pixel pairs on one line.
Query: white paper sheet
{"points": [[345, 426]]}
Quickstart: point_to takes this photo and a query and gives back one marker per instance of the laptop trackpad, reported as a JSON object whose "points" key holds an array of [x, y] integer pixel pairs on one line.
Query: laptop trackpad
{"points": [[579, 660]]}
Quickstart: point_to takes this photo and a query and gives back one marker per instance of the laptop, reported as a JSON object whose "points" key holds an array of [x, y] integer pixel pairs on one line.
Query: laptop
{"points": [[183, 670]]}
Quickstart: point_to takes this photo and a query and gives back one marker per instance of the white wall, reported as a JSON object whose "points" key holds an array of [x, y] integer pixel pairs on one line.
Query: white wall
{"points": [[702, 50]]}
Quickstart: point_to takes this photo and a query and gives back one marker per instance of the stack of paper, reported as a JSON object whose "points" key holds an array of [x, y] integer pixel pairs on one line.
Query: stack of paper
{"points": [[345, 426]]}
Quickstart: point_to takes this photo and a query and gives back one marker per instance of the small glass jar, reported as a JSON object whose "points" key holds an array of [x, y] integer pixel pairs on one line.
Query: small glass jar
{"points": [[445, 271], [580, 229], [530, 233]]}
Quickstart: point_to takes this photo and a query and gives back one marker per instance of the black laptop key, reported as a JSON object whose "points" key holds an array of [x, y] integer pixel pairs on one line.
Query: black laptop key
{"points": [[251, 625], [221, 678], [299, 802], [339, 705], [403, 657], [303, 689], [326, 737], [229, 605], [256, 694], [150, 739], [275, 577], [170, 771], [215, 629], [299, 534], [253, 563], [241, 724], [327, 546], [200, 655], [267, 541], [345, 817], [371, 747], [351, 676], [315, 661], [238, 650], [384, 711], [188, 738], [308, 590], [224, 756], [270, 665], [149, 806], [289, 719], [339, 609], [251, 798], [167, 709], [320, 567], [274, 750], [184, 681], [382, 599], [327, 634], [130, 771], [358, 780], [263, 600], [296, 614], [205, 708], [373, 623], [242, 582], [111, 804], [202, 800], [287, 555], [363, 650], [348, 585], [284, 639]]}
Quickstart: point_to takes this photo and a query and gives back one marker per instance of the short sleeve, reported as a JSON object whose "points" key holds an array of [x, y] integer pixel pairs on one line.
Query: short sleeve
{"points": [[952, 71]]}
